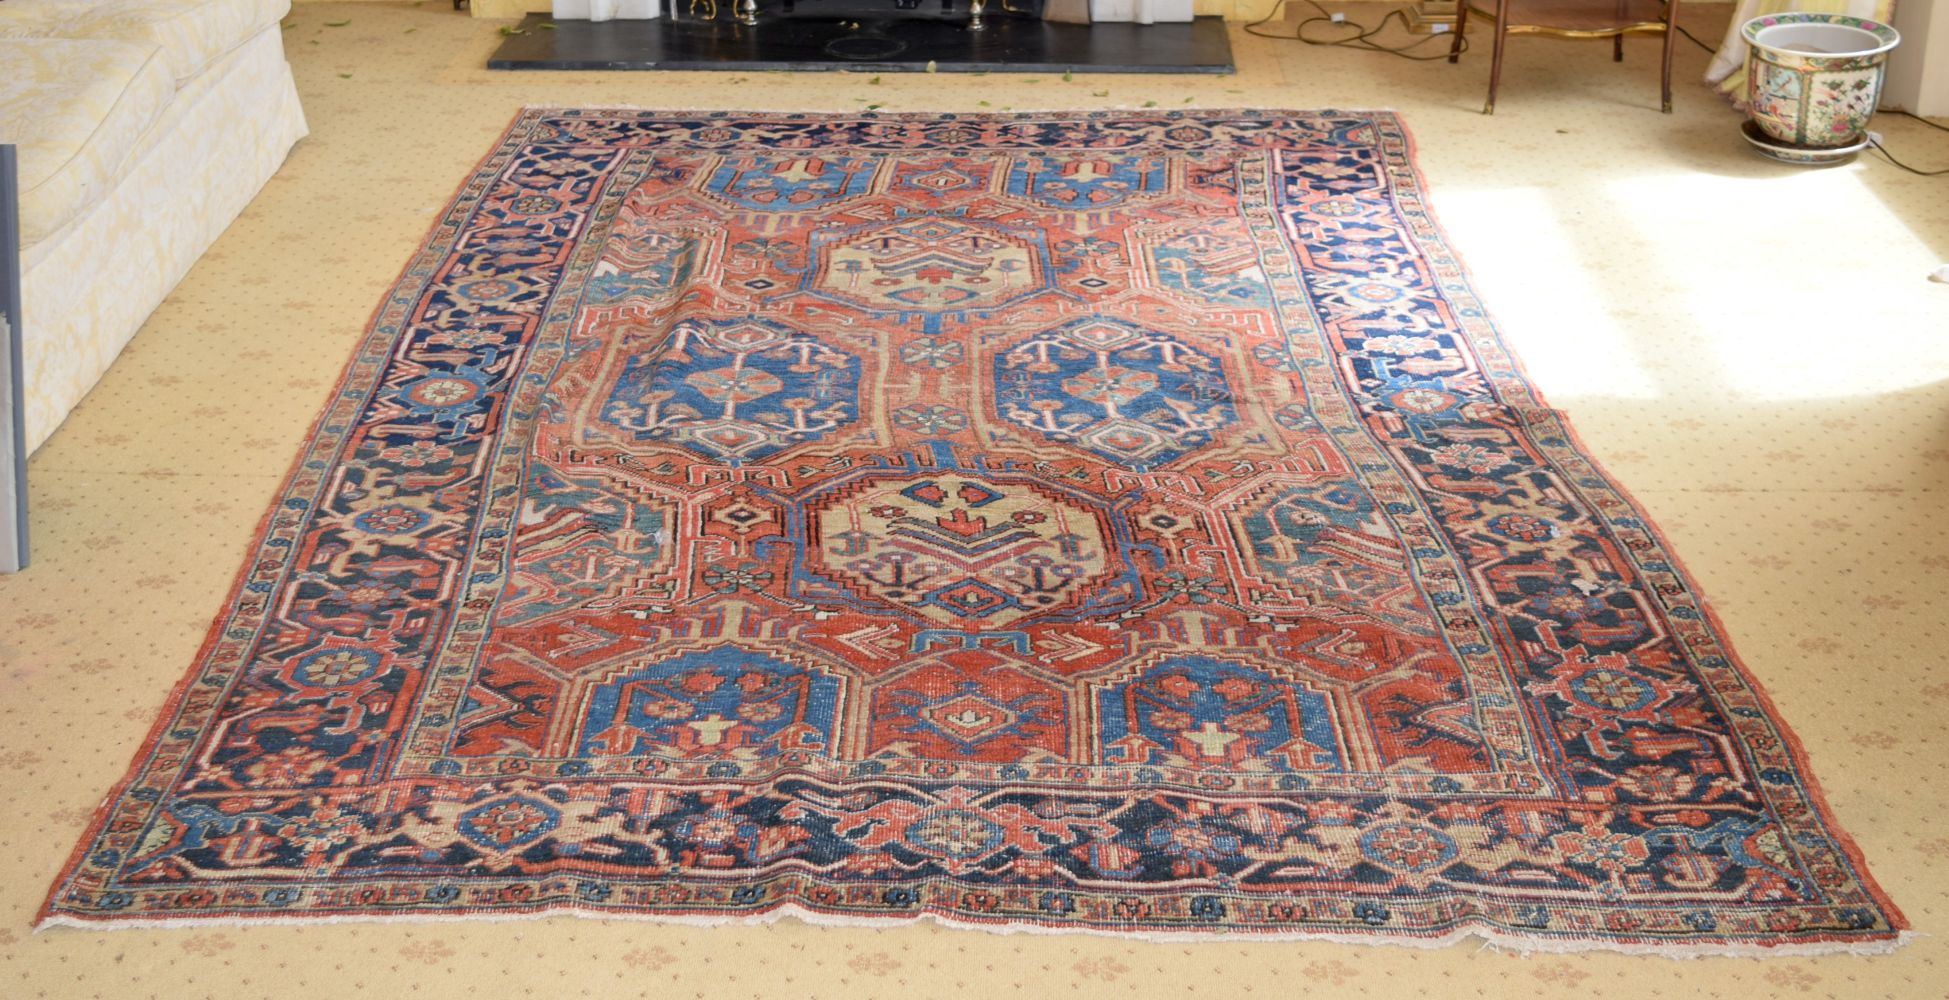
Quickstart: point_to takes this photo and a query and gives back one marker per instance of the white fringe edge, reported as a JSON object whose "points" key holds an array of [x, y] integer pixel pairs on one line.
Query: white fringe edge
{"points": [[1012, 112], [1491, 938]]}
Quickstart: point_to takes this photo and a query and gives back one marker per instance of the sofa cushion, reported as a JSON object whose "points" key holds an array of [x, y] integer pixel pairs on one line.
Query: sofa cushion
{"points": [[190, 33], [77, 109]]}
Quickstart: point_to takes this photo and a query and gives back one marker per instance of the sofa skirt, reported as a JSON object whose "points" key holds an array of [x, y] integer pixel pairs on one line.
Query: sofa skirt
{"points": [[88, 288]]}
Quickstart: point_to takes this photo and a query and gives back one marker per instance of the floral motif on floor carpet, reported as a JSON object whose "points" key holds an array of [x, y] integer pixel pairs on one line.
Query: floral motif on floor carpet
{"points": [[1125, 522]]}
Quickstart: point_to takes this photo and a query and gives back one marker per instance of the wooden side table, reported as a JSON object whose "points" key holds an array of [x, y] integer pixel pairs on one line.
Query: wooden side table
{"points": [[1611, 19]]}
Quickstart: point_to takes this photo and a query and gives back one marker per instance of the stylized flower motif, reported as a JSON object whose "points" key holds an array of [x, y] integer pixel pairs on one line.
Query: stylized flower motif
{"points": [[667, 708], [1469, 457], [1176, 585], [1370, 913], [1523, 528], [335, 668], [1565, 604], [417, 454], [716, 828], [760, 711], [1170, 718], [1657, 783], [323, 830], [1247, 722], [444, 392], [1603, 849], [467, 338], [1111, 383], [955, 833], [509, 822], [1089, 246], [1194, 840], [1409, 846], [1235, 688], [293, 766], [368, 594], [930, 419], [730, 580], [932, 353]]}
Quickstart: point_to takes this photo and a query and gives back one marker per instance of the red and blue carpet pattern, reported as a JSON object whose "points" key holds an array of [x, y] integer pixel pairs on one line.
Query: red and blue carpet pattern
{"points": [[1108, 521]]}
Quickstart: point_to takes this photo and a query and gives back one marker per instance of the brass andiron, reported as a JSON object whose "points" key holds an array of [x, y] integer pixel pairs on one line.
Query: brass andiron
{"points": [[704, 9], [975, 8], [746, 11]]}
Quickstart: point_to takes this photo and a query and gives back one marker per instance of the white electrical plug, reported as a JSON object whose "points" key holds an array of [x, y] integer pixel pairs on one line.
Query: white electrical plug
{"points": [[1337, 18], [1440, 29]]}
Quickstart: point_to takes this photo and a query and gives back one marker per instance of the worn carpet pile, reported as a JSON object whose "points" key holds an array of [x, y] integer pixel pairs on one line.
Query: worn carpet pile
{"points": [[1124, 522]]}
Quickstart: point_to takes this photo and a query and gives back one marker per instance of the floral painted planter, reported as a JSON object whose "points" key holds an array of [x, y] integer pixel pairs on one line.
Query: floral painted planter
{"points": [[1813, 80]]}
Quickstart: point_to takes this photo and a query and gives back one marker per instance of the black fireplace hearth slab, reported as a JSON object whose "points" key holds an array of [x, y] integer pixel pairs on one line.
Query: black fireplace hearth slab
{"points": [[868, 44]]}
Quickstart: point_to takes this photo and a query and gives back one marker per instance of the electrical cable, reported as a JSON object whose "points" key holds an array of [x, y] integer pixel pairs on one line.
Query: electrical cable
{"points": [[1925, 121], [1879, 148], [1695, 39], [1361, 39]]}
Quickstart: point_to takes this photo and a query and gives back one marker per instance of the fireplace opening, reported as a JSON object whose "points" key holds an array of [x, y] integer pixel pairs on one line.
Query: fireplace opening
{"points": [[946, 36]]}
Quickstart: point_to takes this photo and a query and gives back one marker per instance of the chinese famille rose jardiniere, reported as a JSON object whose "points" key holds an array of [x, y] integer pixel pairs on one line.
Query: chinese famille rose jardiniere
{"points": [[1814, 79]]}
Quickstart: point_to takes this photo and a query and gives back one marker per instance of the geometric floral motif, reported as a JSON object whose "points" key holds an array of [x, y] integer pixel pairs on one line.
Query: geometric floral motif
{"points": [[1108, 521], [953, 546], [738, 391], [1130, 395]]}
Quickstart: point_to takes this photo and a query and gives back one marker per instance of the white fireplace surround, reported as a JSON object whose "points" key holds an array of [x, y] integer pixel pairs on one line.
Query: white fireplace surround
{"points": [[1140, 11], [607, 10]]}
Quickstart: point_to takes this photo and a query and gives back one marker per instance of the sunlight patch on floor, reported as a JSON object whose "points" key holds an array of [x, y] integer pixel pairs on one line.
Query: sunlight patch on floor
{"points": [[1794, 309], [1549, 302]]}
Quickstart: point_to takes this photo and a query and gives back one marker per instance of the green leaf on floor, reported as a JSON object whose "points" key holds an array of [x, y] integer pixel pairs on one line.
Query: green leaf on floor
{"points": [[409, 31], [546, 25], [345, 76], [873, 82], [1150, 104], [336, 24], [1068, 75], [509, 31], [1099, 93]]}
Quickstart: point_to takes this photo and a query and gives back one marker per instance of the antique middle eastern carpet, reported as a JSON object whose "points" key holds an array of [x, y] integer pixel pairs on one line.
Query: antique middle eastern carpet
{"points": [[1123, 522]]}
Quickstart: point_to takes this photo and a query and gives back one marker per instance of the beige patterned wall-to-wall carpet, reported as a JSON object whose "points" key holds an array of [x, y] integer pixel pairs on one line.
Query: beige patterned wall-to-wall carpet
{"points": [[1778, 407]]}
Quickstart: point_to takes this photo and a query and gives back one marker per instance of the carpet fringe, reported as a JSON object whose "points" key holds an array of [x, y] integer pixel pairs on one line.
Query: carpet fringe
{"points": [[1493, 939], [1013, 112]]}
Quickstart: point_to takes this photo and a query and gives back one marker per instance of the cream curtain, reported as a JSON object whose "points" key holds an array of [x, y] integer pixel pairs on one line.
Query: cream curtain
{"points": [[1728, 69]]}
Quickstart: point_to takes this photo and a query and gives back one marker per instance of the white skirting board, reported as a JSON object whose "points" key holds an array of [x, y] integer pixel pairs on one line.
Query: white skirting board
{"points": [[607, 10]]}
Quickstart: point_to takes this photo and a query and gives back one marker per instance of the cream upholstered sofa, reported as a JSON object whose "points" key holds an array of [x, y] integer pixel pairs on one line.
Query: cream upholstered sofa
{"points": [[143, 127]]}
